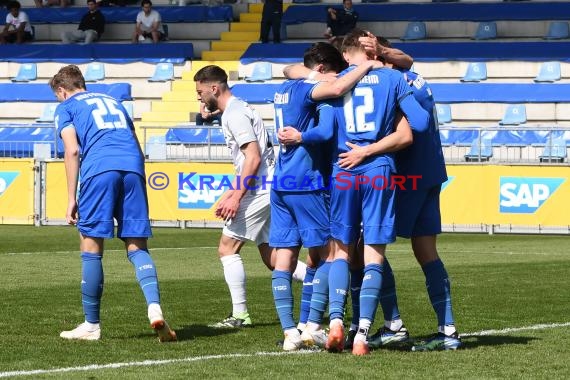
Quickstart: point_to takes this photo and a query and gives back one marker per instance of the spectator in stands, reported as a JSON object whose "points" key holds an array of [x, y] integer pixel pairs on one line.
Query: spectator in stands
{"points": [[49, 3], [341, 21], [18, 28], [90, 28], [271, 19], [149, 24], [207, 117]]}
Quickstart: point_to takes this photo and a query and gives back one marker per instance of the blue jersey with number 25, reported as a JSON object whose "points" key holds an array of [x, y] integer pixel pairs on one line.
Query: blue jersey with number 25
{"points": [[104, 131]]}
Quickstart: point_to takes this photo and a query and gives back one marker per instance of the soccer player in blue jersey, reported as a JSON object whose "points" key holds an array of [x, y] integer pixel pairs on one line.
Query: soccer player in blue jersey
{"points": [[101, 148], [362, 194], [418, 218], [299, 210]]}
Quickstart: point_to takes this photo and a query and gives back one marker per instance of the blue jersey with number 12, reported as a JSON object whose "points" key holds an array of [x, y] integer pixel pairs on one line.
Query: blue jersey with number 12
{"points": [[367, 113], [104, 131]]}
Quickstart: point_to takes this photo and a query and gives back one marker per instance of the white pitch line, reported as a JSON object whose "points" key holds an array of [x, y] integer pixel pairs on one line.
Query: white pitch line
{"points": [[515, 329], [147, 363]]}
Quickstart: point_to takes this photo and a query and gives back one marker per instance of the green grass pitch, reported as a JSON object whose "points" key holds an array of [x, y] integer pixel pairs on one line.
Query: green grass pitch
{"points": [[499, 282]]}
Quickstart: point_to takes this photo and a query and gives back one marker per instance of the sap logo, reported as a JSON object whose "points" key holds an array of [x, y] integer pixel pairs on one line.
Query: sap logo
{"points": [[6, 179], [195, 193], [521, 195], [280, 288], [449, 179], [146, 266]]}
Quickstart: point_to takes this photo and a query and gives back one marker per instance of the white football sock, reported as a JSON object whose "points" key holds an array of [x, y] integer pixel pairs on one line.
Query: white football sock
{"points": [[394, 325], [234, 273], [300, 270]]}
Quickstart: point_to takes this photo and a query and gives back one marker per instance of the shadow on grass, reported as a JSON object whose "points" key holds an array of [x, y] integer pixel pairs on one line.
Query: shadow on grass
{"points": [[469, 342], [190, 332]]}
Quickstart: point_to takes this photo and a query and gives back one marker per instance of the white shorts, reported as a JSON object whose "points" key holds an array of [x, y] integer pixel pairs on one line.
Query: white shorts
{"points": [[252, 219]]}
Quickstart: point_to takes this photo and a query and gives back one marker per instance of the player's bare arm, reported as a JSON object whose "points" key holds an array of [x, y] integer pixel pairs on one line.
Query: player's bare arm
{"points": [[391, 55], [71, 161], [401, 138]]}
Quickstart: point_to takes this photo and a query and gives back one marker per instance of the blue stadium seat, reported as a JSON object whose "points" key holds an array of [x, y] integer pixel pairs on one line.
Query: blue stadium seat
{"points": [[95, 72], [481, 150], [163, 72], [261, 72], [554, 152], [48, 113], [129, 108], [476, 72], [549, 72], [26, 73], [557, 30], [486, 31], [443, 113], [514, 115], [415, 30]]}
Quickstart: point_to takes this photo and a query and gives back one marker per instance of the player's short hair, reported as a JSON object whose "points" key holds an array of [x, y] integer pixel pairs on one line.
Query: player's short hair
{"points": [[91, 1], [383, 41], [211, 73], [336, 41], [69, 77], [351, 42], [325, 54], [145, 2]]}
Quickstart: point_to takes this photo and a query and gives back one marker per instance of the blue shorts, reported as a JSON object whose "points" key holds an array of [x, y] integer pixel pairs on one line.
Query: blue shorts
{"points": [[299, 218], [417, 212], [372, 204], [114, 194]]}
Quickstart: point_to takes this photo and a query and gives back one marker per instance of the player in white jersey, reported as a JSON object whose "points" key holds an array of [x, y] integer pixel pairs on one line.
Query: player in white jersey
{"points": [[245, 206]]}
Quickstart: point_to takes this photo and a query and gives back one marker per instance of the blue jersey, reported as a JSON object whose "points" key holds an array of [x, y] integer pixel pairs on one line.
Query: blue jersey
{"points": [[425, 156], [367, 113], [104, 131], [301, 167]]}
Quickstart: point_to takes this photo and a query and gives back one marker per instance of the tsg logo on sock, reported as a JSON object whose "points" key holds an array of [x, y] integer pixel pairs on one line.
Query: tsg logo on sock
{"points": [[201, 191], [6, 179], [523, 195]]}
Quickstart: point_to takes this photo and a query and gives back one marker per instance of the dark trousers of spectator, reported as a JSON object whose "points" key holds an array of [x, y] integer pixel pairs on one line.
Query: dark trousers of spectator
{"points": [[209, 120], [272, 22]]}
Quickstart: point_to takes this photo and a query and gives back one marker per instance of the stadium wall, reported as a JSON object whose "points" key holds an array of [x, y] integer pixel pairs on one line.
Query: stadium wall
{"points": [[480, 198]]}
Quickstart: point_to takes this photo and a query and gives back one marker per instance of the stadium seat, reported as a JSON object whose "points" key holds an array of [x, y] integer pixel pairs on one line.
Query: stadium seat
{"points": [[554, 152], [155, 147], [374, 1], [27, 72], [443, 113], [549, 72], [476, 72], [415, 30], [514, 115], [557, 30], [486, 31], [261, 72], [481, 150], [48, 113], [95, 72], [163, 73]]}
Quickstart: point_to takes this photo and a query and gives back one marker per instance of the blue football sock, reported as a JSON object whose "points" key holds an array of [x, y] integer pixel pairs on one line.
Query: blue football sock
{"points": [[146, 274], [320, 297], [283, 297], [306, 294], [338, 287], [370, 292], [355, 285], [439, 291], [388, 298], [91, 285]]}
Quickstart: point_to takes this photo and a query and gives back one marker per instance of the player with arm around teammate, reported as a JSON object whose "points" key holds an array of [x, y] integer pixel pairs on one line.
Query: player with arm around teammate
{"points": [[98, 129]]}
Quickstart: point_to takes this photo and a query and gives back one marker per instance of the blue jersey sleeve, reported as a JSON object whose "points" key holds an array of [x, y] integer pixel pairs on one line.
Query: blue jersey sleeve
{"points": [[415, 114], [325, 129], [62, 118]]}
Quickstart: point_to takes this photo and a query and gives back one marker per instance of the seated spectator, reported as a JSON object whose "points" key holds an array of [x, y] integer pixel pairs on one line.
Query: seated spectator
{"points": [[341, 21], [149, 24], [205, 117], [18, 28], [49, 3], [90, 28]]}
